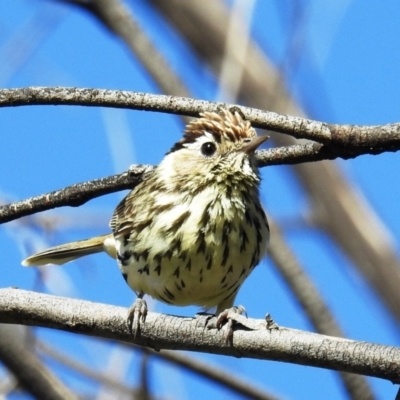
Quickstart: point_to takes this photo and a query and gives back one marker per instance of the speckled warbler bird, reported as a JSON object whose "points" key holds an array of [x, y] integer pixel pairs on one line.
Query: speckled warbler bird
{"points": [[193, 231]]}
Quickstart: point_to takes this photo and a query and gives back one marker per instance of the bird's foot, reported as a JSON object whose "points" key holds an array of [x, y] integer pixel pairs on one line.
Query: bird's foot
{"points": [[136, 315], [227, 317]]}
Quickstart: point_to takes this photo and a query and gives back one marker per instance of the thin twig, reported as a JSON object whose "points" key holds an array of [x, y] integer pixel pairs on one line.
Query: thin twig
{"points": [[33, 376], [312, 303], [88, 372], [74, 195], [349, 140], [78, 194], [227, 379], [115, 16]]}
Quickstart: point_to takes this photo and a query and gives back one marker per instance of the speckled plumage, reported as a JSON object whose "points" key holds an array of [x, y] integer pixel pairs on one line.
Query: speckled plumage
{"points": [[194, 230]]}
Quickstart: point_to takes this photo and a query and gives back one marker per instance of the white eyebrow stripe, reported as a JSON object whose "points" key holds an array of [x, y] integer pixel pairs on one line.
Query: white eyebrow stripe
{"points": [[209, 135]]}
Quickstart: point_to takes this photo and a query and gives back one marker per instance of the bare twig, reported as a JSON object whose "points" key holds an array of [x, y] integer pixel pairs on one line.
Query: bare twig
{"points": [[339, 208], [88, 372], [78, 194], [33, 376], [114, 15], [226, 379], [169, 332], [349, 140], [313, 304], [74, 195], [204, 25], [144, 378]]}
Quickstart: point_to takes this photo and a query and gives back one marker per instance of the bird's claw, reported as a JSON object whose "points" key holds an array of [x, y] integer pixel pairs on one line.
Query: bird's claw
{"points": [[227, 318], [136, 315]]}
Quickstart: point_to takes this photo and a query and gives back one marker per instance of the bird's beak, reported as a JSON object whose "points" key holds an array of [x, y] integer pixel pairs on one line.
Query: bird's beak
{"points": [[254, 144]]}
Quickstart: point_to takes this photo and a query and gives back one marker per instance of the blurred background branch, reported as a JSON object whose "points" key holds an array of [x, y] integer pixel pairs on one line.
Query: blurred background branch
{"points": [[221, 38]]}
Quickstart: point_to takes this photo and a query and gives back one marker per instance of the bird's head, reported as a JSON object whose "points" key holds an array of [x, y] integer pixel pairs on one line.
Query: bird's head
{"points": [[215, 147]]}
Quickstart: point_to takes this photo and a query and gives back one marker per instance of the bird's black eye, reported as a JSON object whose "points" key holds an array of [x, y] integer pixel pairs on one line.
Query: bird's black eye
{"points": [[208, 149]]}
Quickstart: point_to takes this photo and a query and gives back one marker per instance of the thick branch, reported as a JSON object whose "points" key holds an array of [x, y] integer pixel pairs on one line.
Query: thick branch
{"points": [[346, 140], [170, 332]]}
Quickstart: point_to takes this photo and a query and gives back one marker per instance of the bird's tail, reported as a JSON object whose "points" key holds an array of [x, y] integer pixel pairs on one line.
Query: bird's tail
{"points": [[70, 251]]}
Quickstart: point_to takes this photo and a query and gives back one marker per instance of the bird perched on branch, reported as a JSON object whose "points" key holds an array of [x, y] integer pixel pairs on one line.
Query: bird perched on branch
{"points": [[193, 231]]}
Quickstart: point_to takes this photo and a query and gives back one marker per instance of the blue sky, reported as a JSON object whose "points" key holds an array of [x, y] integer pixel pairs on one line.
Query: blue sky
{"points": [[347, 72]]}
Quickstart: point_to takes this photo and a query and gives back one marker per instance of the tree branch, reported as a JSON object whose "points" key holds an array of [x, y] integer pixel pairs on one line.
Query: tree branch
{"points": [[364, 140], [78, 194], [227, 379], [347, 140], [313, 304], [116, 17], [205, 370], [75, 195], [33, 376], [162, 331], [87, 371]]}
